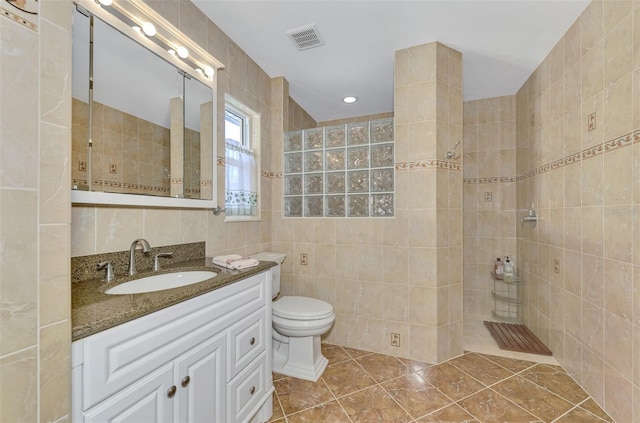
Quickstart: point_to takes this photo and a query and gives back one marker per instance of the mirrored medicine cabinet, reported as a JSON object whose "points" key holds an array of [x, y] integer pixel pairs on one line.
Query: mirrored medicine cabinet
{"points": [[143, 116]]}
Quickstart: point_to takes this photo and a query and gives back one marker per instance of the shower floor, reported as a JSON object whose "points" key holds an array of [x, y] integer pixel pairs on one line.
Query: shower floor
{"points": [[478, 339]]}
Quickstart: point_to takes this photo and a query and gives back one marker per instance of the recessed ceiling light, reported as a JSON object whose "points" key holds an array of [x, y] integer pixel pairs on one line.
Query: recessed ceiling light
{"points": [[349, 99], [105, 2], [209, 71], [149, 29]]}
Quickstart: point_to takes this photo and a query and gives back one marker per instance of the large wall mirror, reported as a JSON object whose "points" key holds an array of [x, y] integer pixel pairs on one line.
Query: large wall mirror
{"points": [[143, 119]]}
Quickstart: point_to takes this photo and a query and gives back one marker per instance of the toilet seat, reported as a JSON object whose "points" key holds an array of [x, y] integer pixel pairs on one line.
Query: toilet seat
{"points": [[302, 308]]}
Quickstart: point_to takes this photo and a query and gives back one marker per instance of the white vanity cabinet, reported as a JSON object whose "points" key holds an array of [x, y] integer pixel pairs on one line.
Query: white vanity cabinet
{"points": [[205, 359]]}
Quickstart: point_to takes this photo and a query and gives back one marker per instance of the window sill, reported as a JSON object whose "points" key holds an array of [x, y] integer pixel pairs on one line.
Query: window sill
{"points": [[231, 219]]}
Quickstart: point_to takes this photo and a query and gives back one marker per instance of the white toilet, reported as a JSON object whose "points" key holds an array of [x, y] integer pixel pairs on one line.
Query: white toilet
{"points": [[298, 323]]}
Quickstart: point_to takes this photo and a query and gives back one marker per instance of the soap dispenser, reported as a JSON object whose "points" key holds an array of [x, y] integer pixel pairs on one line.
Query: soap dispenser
{"points": [[509, 269]]}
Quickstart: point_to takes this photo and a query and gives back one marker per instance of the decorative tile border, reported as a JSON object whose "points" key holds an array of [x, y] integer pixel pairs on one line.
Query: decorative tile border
{"points": [[428, 164], [124, 185], [490, 180], [24, 12], [606, 147], [271, 174]]}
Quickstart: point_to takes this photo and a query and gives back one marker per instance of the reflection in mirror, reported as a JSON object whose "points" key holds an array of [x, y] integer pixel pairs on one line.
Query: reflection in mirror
{"points": [[198, 124], [145, 131]]}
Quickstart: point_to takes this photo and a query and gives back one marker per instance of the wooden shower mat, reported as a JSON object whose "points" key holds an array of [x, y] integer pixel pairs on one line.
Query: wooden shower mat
{"points": [[518, 338]]}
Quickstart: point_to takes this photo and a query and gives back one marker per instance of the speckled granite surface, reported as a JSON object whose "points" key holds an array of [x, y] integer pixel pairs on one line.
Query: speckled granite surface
{"points": [[93, 311], [84, 268]]}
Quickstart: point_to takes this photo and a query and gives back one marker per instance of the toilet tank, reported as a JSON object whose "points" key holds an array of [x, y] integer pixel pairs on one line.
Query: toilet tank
{"points": [[279, 259]]}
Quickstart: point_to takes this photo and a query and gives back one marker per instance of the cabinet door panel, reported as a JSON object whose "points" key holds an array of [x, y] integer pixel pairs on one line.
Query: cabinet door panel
{"points": [[143, 402], [121, 355], [246, 341], [245, 392], [200, 375]]}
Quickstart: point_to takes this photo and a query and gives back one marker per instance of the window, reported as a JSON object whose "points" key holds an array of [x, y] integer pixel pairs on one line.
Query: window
{"points": [[241, 129]]}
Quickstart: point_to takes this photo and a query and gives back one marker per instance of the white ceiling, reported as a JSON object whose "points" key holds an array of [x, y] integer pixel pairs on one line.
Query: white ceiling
{"points": [[502, 43]]}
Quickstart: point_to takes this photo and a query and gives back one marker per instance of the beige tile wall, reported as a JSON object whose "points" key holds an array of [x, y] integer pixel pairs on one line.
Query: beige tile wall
{"points": [[35, 115], [489, 167], [584, 184], [139, 149], [393, 275]]}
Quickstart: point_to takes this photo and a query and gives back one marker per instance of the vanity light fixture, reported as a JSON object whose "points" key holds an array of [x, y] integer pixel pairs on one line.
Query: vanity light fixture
{"points": [[349, 99], [158, 33], [182, 52]]}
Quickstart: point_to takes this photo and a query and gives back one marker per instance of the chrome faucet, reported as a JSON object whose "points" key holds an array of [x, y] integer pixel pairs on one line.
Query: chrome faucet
{"points": [[132, 254]]}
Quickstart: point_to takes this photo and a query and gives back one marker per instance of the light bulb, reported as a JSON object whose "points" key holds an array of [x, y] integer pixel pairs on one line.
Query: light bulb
{"points": [[182, 52], [208, 70], [172, 52], [105, 2], [136, 28], [149, 29]]}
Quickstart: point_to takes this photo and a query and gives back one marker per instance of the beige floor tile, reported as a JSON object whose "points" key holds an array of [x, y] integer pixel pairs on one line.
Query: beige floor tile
{"points": [[346, 378], [480, 368], [490, 407], [451, 381], [536, 400], [591, 406], [556, 380], [579, 415], [512, 364], [382, 367], [450, 414], [373, 405], [335, 353], [404, 390], [356, 353], [297, 394], [415, 395], [330, 412]]}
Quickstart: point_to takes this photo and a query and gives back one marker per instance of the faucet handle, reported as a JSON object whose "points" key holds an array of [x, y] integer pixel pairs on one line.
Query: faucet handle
{"points": [[156, 261], [109, 273]]}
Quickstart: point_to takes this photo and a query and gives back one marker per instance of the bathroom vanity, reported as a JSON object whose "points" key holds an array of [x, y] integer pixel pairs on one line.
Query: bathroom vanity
{"points": [[205, 358]]}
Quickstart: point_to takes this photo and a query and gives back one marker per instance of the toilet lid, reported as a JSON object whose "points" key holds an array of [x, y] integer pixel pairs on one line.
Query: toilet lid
{"points": [[301, 308]]}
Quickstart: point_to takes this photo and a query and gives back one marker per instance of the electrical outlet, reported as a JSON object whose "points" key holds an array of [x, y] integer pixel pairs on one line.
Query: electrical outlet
{"points": [[556, 266], [82, 166], [395, 339], [113, 168], [488, 197], [304, 259]]}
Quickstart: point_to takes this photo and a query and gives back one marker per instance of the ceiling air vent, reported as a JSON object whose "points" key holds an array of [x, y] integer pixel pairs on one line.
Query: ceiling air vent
{"points": [[306, 37]]}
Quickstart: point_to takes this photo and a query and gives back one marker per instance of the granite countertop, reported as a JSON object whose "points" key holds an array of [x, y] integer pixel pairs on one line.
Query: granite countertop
{"points": [[93, 311]]}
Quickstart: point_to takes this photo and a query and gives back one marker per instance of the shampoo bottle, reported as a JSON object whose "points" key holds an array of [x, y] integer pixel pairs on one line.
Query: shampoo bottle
{"points": [[498, 268], [509, 270]]}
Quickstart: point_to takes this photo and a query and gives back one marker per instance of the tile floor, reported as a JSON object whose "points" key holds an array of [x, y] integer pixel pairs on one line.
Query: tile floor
{"points": [[359, 386]]}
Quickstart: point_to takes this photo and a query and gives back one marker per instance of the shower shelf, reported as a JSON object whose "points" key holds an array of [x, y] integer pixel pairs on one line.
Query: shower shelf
{"points": [[508, 299]]}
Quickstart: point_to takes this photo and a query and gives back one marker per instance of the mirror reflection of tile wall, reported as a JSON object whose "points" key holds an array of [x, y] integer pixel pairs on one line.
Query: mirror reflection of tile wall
{"points": [[340, 171], [129, 154]]}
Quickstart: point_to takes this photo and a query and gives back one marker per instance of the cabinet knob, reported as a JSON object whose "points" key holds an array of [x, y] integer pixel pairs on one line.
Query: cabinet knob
{"points": [[185, 381], [252, 390], [252, 341], [171, 391]]}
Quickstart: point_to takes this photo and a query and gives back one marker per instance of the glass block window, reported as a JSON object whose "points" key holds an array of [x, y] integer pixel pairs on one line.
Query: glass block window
{"points": [[340, 171]]}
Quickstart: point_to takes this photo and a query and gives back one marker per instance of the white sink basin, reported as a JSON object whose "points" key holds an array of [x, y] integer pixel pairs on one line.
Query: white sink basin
{"points": [[160, 282]]}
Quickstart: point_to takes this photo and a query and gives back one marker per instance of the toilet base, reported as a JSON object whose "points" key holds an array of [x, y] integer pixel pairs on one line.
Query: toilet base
{"points": [[301, 357]]}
